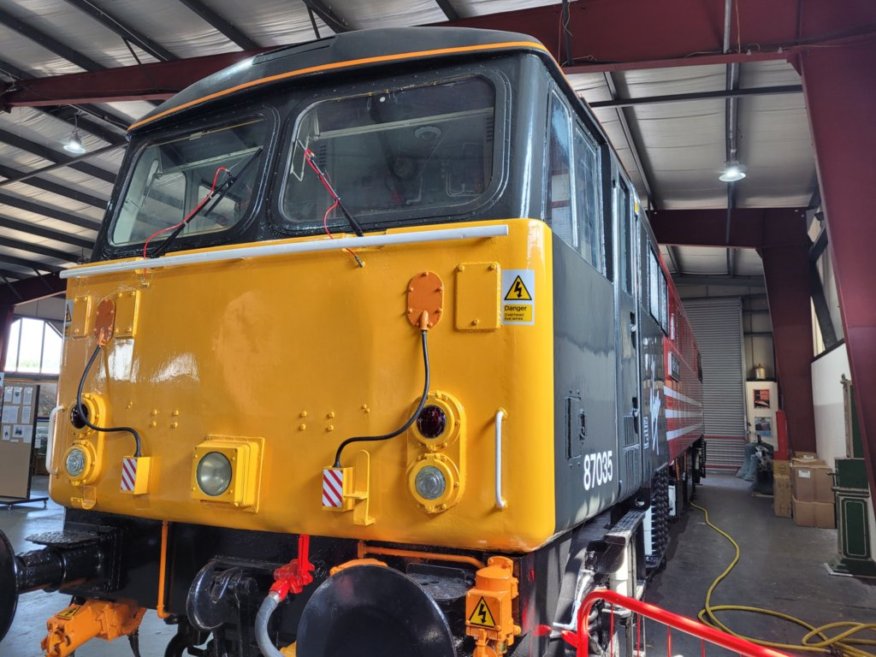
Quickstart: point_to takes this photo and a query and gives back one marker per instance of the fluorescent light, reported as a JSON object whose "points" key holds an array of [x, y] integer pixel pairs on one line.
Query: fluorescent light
{"points": [[74, 144], [733, 172]]}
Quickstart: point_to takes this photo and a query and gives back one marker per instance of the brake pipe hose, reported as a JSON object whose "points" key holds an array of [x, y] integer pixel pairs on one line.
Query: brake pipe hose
{"points": [[843, 643]]}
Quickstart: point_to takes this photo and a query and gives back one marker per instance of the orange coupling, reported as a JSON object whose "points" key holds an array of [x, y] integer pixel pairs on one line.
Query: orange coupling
{"points": [[489, 608], [72, 627]]}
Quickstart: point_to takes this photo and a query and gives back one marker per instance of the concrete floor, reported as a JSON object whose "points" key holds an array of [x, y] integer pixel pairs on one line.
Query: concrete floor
{"points": [[782, 568]]}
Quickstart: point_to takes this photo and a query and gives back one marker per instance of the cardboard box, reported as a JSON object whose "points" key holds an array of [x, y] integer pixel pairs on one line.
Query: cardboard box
{"points": [[814, 514], [781, 468], [812, 480], [782, 496]]}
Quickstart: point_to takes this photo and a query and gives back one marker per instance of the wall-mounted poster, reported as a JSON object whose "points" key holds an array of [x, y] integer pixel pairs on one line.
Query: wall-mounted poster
{"points": [[763, 427], [761, 397]]}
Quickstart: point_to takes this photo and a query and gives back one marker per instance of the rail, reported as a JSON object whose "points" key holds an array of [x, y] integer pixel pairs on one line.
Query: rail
{"points": [[671, 620]]}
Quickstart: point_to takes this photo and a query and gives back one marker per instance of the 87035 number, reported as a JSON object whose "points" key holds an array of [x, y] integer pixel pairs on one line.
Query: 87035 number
{"points": [[598, 469]]}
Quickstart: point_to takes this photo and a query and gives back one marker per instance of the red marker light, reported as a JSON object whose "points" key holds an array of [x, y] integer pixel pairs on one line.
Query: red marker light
{"points": [[432, 422]]}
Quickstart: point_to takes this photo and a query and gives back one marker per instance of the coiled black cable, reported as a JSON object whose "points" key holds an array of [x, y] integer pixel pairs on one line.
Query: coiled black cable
{"points": [[406, 425], [83, 412]]}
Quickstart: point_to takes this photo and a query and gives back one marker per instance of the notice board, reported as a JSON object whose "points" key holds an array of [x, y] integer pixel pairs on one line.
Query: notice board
{"points": [[17, 414]]}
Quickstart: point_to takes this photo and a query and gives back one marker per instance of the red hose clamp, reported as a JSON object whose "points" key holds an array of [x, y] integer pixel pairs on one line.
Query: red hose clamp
{"points": [[295, 575]]}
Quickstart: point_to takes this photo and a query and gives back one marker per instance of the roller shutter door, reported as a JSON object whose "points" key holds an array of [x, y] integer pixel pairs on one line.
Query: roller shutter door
{"points": [[717, 324]]}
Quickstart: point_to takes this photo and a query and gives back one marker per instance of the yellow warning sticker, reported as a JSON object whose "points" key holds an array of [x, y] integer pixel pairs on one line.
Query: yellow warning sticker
{"points": [[517, 313], [481, 615], [518, 295], [518, 291]]}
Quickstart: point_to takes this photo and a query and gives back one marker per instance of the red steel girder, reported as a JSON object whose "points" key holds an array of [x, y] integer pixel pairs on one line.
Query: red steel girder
{"points": [[840, 98], [154, 81], [31, 289], [606, 35], [751, 228]]}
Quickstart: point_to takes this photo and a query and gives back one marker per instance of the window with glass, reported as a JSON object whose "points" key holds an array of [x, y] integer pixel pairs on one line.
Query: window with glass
{"points": [[559, 183], [654, 285], [34, 347], [588, 202], [173, 178], [409, 151], [625, 229]]}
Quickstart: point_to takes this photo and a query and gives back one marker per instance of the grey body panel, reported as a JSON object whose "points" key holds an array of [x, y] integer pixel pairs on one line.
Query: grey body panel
{"points": [[584, 384]]}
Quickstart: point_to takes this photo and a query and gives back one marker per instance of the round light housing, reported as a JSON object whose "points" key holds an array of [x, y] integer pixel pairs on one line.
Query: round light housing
{"points": [[733, 172], [430, 483], [432, 421], [75, 462], [214, 473]]}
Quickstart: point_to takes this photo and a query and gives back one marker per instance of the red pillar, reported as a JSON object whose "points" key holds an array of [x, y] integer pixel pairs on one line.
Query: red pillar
{"points": [[840, 88], [786, 270]]}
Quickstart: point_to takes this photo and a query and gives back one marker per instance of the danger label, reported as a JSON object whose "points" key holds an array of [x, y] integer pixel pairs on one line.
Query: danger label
{"points": [[481, 615], [518, 296]]}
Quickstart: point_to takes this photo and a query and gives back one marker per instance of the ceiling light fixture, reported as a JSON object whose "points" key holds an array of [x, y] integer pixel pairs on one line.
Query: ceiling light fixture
{"points": [[733, 172], [73, 144]]}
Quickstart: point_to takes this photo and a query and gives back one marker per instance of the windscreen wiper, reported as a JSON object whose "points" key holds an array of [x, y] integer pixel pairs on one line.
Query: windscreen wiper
{"points": [[308, 157], [216, 196]]}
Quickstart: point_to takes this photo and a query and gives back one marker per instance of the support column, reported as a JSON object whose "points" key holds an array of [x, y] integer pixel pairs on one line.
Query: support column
{"points": [[786, 271], [838, 86], [6, 314]]}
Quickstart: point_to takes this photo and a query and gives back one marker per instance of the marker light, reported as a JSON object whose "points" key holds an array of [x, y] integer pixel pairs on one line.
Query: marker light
{"points": [[214, 473], [430, 483], [75, 462], [432, 422]]}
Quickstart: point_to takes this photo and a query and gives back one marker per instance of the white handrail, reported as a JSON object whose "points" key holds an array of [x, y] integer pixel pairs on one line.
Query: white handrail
{"points": [[50, 439], [500, 501], [267, 250]]}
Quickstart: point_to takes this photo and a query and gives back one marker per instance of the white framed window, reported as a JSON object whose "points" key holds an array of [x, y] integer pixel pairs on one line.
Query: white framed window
{"points": [[34, 347]]}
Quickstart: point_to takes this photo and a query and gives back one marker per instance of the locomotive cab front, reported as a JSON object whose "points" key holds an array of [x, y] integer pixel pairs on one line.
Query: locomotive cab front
{"points": [[360, 321]]}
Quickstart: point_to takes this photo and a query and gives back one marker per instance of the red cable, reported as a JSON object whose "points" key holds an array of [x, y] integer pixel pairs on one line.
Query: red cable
{"points": [[194, 211], [308, 157]]}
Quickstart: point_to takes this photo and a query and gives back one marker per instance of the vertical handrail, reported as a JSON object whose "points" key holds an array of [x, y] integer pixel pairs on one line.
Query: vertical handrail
{"points": [[500, 501], [668, 618], [50, 439]]}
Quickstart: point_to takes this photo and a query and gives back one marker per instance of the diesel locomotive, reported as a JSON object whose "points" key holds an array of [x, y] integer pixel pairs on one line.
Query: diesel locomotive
{"points": [[376, 354]]}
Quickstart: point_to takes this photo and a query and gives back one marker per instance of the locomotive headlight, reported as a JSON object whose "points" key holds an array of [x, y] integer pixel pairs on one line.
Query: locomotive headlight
{"points": [[214, 473], [430, 483], [434, 482], [75, 462]]}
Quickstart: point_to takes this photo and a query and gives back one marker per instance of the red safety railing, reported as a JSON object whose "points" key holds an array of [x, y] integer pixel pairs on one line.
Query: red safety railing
{"points": [[616, 601]]}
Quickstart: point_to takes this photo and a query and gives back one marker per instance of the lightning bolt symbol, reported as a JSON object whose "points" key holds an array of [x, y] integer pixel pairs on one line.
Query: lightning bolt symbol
{"points": [[482, 612], [518, 289]]}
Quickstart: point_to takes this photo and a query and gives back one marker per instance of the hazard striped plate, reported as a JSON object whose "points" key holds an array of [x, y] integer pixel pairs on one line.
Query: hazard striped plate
{"points": [[129, 474], [333, 488]]}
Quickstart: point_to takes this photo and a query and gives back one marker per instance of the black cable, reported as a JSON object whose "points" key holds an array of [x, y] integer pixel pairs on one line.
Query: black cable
{"points": [[406, 425], [83, 412]]}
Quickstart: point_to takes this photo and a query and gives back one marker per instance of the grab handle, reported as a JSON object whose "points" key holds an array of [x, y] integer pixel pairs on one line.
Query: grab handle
{"points": [[50, 439], [500, 501]]}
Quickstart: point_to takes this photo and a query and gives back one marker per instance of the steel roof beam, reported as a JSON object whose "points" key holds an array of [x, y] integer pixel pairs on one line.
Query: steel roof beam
{"points": [[221, 24], [56, 156], [29, 264], [46, 211], [125, 31], [48, 233], [12, 274], [700, 95], [752, 228], [46, 41], [31, 289], [39, 249], [448, 9], [625, 116], [336, 22], [53, 187]]}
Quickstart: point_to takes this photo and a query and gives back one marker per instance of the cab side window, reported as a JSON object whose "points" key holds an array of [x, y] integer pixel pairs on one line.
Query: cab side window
{"points": [[588, 203], [559, 210]]}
